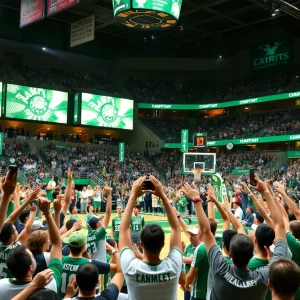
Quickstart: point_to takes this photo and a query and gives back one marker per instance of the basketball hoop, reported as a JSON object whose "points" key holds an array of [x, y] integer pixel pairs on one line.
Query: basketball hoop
{"points": [[197, 174]]}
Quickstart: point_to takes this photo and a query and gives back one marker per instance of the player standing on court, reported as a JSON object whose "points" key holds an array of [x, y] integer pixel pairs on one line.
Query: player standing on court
{"points": [[116, 221], [182, 206], [137, 224], [96, 239], [150, 277]]}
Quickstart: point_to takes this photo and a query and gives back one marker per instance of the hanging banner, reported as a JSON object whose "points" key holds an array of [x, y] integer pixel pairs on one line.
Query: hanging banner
{"points": [[83, 31], [121, 152], [271, 54], [219, 186], [55, 6], [184, 140], [31, 11]]}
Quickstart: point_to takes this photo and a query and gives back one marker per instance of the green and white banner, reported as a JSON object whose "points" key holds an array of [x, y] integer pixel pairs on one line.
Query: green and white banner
{"points": [[106, 111], [219, 186], [184, 140], [208, 106], [243, 141], [30, 103], [271, 54], [121, 152]]}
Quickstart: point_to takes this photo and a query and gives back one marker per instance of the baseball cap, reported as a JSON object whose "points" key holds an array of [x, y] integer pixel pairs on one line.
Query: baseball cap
{"points": [[76, 239], [193, 230], [259, 217], [94, 220], [37, 224]]}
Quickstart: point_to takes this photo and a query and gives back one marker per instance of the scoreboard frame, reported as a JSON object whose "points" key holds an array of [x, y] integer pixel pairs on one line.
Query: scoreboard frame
{"points": [[200, 140]]}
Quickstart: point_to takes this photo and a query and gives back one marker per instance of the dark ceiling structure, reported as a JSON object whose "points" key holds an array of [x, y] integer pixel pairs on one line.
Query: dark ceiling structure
{"points": [[200, 20]]}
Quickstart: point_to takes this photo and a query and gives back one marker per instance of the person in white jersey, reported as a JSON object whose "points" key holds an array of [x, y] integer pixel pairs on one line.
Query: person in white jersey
{"points": [[150, 277]]}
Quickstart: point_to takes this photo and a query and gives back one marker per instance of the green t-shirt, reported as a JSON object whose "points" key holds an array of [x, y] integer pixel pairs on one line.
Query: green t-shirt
{"points": [[228, 259], [76, 218], [4, 251], [107, 277], [256, 263], [200, 261], [188, 252], [70, 267], [10, 208], [294, 246], [87, 219], [137, 223], [96, 241], [182, 203], [116, 221]]}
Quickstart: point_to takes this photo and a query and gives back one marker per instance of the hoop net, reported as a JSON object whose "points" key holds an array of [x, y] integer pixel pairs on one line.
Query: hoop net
{"points": [[197, 174]]}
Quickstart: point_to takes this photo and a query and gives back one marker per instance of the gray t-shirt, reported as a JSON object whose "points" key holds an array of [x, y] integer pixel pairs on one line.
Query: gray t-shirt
{"points": [[226, 281]]}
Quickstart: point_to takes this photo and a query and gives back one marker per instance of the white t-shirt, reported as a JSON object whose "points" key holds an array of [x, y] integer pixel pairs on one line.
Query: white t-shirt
{"points": [[84, 195], [151, 282], [10, 288], [238, 212]]}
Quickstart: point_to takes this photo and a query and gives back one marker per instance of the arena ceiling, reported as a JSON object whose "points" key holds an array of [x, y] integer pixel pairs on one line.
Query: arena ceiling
{"points": [[200, 22]]}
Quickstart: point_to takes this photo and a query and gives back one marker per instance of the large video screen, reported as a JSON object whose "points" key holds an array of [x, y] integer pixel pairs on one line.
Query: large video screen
{"points": [[106, 111], [30, 103], [171, 7]]}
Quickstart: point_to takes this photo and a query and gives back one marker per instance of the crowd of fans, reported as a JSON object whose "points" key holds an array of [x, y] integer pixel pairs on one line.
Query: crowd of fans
{"points": [[223, 127]]}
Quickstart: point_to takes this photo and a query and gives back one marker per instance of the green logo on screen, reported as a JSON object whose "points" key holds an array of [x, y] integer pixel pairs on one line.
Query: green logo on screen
{"points": [[109, 113], [271, 55], [38, 105]]}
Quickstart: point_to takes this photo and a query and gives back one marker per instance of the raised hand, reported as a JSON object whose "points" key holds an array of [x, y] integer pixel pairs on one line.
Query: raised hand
{"points": [[9, 183], [70, 174], [57, 205], [33, 208], [137, 187], [44, 205], [211, 192], [189, 192], [159, 188], [42, 278], [279, 187], [260, 186], [33, 195], [107, 190], [245, 188]]}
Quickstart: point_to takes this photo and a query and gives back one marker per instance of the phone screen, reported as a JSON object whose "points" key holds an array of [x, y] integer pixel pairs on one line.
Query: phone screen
{"points": [[252, 180]]}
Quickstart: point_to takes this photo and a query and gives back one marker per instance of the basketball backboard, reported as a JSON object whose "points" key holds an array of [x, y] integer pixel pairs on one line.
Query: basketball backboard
{"points": [[204, 161]]}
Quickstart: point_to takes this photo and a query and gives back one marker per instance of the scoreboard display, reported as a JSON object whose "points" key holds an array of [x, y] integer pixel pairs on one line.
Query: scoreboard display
{"points": [[200, 140]]}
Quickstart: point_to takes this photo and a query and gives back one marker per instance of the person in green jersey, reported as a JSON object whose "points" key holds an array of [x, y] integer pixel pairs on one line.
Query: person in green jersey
{"points": [[77, 242], [97, 198], [90, 214], [96, 239], [10, 239], [182, 206], [74, 215], [51, 188], [22, 264], [137, 223], [189, 251], [116, 221]]}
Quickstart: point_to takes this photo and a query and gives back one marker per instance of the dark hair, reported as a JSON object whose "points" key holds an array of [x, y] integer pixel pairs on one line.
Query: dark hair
{"points": [[227, 237], [137, 206], [112, 242], [213, 225], [153, 238], [265, 236], [284, 276], [241, 249], [44, 294], [251, 209], [55, 194], [295, 229], [24, 214], [292, 217], [75, 250], [18, 262], [87, 277], [70, 224], [6, 232]]}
